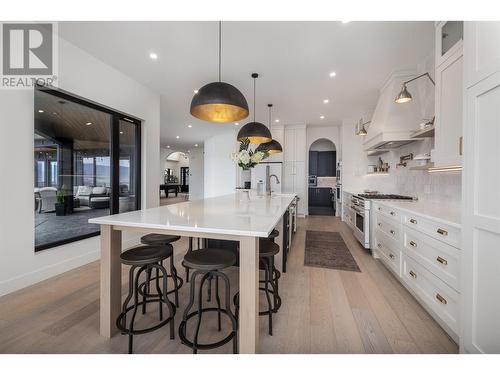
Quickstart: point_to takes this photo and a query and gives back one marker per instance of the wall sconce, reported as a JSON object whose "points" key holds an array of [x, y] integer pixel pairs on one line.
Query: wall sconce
{"points": [[360, 127], [404, 95]]}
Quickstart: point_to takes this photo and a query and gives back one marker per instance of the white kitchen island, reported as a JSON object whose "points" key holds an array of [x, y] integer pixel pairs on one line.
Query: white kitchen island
{"points": [[239, 217]]}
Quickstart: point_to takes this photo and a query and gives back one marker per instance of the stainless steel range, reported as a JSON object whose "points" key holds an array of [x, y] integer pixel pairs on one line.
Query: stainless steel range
{"points": [[361, 204]]}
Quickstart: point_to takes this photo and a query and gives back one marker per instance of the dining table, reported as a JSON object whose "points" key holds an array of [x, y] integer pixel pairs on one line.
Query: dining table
{"points": [[242, 216]]}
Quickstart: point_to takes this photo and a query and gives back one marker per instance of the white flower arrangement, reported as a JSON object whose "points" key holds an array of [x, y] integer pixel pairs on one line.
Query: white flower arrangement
{"points": [[246, 158]]}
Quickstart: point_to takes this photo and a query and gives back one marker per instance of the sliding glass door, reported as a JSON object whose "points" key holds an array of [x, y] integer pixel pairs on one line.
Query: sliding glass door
{"points": [[86, 164]]}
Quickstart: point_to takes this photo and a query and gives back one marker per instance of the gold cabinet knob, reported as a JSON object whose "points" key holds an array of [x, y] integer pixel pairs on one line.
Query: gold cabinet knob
{"points": [[393, 213], [413, 243], [391, 256], [441, 299], [379, 245], [392, 232], [442, 260], [413, 274], [413, 221], [442, 232]]}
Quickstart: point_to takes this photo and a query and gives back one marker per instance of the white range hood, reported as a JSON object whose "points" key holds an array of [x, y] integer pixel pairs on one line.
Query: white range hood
{"points": [[393, 124]]}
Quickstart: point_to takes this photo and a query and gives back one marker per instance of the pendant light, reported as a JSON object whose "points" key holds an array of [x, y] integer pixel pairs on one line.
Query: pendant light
{"points": [[219, 101], [273, 147], [255, 131]]}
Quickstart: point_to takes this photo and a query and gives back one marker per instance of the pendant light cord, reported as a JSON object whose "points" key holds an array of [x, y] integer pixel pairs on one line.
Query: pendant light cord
{"points": [[254, 80], [220, 49], [270, 107]]}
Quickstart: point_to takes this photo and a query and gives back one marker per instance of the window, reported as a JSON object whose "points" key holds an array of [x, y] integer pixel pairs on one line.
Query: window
{"points": [[86, 166]]}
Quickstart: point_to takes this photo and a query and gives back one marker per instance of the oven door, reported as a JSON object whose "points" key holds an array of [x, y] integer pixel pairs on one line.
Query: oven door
{"points": [[361, 227]]}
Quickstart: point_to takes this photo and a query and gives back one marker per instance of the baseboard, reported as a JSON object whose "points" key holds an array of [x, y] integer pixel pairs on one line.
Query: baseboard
{"points": [[44, 273]]}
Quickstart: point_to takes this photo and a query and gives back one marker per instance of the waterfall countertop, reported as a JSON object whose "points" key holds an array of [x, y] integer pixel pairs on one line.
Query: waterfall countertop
{"points": [[235, 214]]}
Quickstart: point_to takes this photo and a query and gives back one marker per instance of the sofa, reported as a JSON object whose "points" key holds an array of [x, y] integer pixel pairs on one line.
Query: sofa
{"points": [[93, 196], [46, 198]]}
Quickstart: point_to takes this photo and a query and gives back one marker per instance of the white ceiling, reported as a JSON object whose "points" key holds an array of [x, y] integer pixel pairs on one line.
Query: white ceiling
{"points": [[294, 60]]}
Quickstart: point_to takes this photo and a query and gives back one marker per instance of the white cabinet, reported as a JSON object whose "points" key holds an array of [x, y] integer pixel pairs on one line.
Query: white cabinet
{"points": [[294, 164], [449, 111], [481, 51], [449, 36], [481, 212], [449, 94], [425, 255]]}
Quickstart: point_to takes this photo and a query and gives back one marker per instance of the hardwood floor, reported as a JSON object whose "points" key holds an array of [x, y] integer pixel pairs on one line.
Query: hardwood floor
{"points": [[323, 311]]}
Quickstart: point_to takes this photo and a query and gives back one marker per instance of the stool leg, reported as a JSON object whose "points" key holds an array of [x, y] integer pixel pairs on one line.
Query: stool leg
{"points": [[266, 290], [159, 292], [190, 303], [200, 312], [209, 289], [274, 272], [146, 289], [217, 298], [234, 324], [136, 305], [167, 301], [129, 295], [173, 272]]}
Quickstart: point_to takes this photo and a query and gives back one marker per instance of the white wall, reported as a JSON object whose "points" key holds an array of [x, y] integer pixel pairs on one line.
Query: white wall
{"points": [[84, 75], [196, 174], [327, 132], [220, 172]]}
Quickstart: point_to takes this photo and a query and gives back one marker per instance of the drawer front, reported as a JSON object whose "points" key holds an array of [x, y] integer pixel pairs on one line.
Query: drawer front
{"points": [[437, 296], [388, 251], [441, 259], [388, 212], [389, 227], [442, 232]]}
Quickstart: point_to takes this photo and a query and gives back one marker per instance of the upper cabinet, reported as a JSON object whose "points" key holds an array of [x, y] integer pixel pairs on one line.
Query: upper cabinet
{"points": [[449, 37], [481, 51], [449, 94]]}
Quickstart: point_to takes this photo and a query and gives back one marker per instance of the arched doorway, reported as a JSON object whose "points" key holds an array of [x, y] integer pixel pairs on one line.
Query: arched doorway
{"points": [[176, 177], [322, 181]]}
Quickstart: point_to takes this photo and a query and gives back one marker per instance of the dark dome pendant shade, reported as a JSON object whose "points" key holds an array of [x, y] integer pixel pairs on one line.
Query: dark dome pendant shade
{"points": [[219, 101], [255, 132], [273, 147]]}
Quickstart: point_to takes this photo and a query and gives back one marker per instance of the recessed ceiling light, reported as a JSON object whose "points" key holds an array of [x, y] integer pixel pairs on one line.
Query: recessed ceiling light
{"points": [[333, 74], [277, 120], [153, 56], [196, 145], [346, 21], [195, 91], [88, 123], [40, 111], [236, 123], [190, 126], [121, 132], [177, 137], [322, 117], [326, 101], [168, 146]]}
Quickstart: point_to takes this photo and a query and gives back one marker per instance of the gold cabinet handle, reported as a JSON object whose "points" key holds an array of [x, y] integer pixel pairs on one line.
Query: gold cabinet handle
{"points": [[442, 232], [461, 146], [391, 256], [441, 299], [442, 260], [413, 243], [413, 274], [413, 221], [392, 232], [393, 213]]}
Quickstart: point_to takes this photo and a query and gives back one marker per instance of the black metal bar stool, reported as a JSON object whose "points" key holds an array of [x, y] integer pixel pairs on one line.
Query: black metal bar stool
{"points": [[190, 248], [156, 239], [267, 250], [144, 259], [207, 264]]}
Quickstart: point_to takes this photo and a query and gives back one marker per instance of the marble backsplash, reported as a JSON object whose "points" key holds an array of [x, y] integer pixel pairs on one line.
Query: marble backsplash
{"points": [[443, 186]]}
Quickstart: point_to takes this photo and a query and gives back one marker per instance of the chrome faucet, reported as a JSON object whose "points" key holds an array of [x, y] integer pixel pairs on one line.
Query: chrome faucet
{"points": [[268, 179]]}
